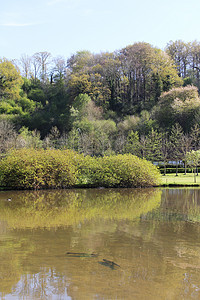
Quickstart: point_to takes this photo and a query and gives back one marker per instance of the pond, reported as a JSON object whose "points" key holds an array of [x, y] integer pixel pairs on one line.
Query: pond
{"points": [[100, 244]]}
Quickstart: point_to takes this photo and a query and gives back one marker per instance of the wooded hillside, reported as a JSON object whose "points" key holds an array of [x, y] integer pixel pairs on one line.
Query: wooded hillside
{"points": [[101, 103]]}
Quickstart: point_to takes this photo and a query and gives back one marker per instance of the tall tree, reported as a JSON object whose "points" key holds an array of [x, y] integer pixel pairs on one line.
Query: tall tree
{"points": [[180, 52], [58, 71], [165, 150], [186, 146], [195, 137], [42, 60], [149, 71], [25, 63], [10, 80], [133, 143], [154, 146], [175, 140]]}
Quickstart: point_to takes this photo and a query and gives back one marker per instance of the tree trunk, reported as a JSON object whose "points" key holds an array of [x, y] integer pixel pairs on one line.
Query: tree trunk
{"points": [[164, 169], [194, 176]]}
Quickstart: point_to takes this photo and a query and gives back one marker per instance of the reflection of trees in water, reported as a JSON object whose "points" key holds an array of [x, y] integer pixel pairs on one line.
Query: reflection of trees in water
{"points": [[22, 248], [157, 257], [178, 204], [68, 207]]}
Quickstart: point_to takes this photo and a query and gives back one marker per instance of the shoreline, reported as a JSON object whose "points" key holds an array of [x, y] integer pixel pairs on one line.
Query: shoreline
{"points": [[174, 185]]}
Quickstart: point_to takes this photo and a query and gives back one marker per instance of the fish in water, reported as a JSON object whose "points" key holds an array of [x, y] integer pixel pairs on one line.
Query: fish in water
{"points": [[109, 263], [81, 254]]}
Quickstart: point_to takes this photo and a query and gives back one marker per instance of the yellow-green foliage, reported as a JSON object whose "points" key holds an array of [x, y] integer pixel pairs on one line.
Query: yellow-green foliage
{"points": [[118, 171], [35, 169], [181, 93]]}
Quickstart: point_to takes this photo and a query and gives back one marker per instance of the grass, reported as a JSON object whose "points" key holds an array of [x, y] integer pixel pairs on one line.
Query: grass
{"points": [[180, 180]]}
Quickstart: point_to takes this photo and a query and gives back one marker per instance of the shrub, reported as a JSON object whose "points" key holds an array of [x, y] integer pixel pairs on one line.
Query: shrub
{"points": [[35, 169], [118, 171]]}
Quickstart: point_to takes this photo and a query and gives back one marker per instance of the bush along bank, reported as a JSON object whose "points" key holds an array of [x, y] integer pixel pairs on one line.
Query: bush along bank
{"points": [[39, 169]]}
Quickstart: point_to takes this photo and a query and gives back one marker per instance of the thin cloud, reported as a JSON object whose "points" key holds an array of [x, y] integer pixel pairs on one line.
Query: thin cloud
{"points": [[15, 24], [54, 2], [13, 19]]}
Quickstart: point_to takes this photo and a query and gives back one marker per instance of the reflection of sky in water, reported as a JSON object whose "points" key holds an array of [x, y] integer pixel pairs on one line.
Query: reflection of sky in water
{"points": [[34, 285]]}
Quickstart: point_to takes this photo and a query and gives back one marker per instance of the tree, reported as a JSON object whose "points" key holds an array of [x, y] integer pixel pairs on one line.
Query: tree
{"points": [[130, 123], [153, 146], [186, 146], [78, 84], [78, 109], [25, 63], [8, 135], [41, 61], [125, 81], [10, 80], [149, 71], [195, 63], [79, 62], [175, 142], [193, 159], [29, 139], [165, 150], [179, 105], [133, 143], [195, 137], [180, 53], [58, 71]]}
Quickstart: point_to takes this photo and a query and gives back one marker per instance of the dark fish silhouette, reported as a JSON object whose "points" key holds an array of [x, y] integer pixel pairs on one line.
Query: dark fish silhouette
{"points": [[81, 254], [108, 263]]}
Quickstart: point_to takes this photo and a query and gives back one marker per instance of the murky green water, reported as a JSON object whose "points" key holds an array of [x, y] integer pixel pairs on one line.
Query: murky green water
{"points": [[100, 244]]}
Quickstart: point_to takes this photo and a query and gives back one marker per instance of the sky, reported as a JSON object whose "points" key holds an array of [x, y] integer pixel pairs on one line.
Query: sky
{"points": [[63, 27]]}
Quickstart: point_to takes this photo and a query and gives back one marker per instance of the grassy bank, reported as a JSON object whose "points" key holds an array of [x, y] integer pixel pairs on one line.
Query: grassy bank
{"points": [[181, 180]]}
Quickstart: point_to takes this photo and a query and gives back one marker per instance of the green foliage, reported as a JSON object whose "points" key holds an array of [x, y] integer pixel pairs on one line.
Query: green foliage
{"points": [[193, 158], [175, 141], [28, 105], [173, 170], [118, 171], [136, 88], [10, 80], [81, 101], [35, 169], [10, 108], [92, 137], [78, 109], [178, 105], [133, 143], [37, 95], [24, 107], [29, 139], [27, 85], [129, 123]]}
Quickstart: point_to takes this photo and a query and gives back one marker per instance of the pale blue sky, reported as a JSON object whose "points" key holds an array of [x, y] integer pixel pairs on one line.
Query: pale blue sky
{"points": [[63, 27]]}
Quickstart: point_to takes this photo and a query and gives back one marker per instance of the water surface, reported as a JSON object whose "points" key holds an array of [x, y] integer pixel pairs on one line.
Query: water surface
{"points": [[100, 244]]}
